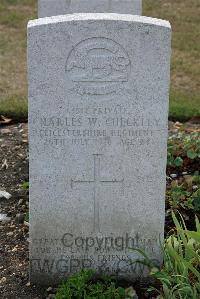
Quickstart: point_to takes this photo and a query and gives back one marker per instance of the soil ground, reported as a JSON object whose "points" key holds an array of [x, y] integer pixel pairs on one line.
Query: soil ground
{"points": [[13, 235]]}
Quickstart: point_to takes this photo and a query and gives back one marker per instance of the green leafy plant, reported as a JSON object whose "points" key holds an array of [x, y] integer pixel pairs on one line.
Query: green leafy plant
{"points": [[27, 217], [191, 145], [196, 200], [180, 274], [82, 286], [25, 186], [184, 196], [179, 197], [196, 177], [183, 147]]}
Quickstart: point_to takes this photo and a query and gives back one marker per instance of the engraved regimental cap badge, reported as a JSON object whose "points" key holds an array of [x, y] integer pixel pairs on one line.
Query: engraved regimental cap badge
{"points": [[98, 66]]}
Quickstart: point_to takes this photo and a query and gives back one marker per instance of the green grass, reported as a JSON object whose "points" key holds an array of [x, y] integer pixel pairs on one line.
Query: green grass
{"points": [[15, 106], [184, 106], [185, 70], [14, 15]]}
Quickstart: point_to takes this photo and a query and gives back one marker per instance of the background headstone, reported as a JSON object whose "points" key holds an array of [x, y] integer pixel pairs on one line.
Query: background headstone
{"points": [[47, 8], [98, 114]]}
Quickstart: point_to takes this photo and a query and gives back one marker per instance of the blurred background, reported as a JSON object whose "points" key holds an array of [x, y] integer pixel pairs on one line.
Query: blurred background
{"points": [[184, 16]]}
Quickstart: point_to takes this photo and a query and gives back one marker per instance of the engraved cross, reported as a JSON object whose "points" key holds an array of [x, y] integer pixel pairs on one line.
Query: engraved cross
{"points": [[96, 182]]}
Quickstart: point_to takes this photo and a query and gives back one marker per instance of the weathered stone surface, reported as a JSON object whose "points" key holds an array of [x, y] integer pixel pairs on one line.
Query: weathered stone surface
{"points": [[47, 8], [98, 110]]}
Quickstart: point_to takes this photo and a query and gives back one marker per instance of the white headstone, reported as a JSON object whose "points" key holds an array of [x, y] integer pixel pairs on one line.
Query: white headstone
{"points": [[47, 8], [98, 112]]}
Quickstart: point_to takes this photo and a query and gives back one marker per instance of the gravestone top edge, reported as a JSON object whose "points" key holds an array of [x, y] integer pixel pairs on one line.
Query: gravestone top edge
{"points": [[97, 17]]}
